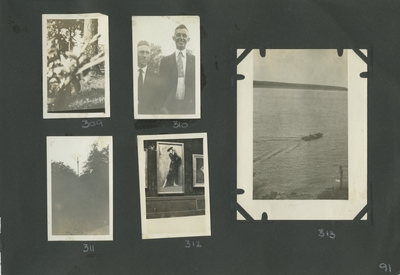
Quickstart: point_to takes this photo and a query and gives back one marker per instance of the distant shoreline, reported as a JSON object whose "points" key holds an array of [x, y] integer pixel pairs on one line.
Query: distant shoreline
{"points": [[330, 193], [284, 85]]}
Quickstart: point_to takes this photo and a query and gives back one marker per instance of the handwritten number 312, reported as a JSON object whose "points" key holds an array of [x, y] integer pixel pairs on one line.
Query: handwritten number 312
{"points": [[192, 244]]}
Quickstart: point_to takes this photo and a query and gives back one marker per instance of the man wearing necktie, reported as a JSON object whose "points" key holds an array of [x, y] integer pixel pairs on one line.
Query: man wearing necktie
{"points": [[149, 100], [177, 72]]}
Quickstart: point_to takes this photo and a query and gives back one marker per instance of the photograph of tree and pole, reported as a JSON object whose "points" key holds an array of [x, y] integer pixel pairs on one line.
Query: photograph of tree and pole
{"points": [[75, 63], [79, 187]]}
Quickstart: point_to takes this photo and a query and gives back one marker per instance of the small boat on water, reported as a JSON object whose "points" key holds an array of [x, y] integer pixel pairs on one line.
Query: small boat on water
{"points": [[312, 136]]}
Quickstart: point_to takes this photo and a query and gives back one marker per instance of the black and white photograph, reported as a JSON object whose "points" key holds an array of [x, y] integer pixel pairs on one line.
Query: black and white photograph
{"points": [[170, 168], [172, 205], [198, 170], [308, 140], [300, 125], [79, 188], [166, 67], [75, 66]]}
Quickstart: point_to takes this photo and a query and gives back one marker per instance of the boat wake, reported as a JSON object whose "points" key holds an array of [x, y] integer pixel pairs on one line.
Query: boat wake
{"points": [[280, 151], [263, 139]]}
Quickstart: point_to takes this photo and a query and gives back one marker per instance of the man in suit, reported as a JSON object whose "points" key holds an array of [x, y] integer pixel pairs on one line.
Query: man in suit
{"points": [[148, 83], [177, 72], [173, 171]]}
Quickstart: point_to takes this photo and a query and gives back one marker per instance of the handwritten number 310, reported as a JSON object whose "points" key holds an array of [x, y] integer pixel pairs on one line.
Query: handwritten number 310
{"points": [[178, 124]]}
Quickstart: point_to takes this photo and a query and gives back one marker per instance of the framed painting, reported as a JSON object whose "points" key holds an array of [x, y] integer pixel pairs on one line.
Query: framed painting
{"points": [[146, 168], [198, 170], [170, 168]]}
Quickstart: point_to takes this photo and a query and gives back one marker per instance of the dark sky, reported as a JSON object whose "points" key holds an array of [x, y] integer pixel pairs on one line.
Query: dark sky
{"points": [[322, 67]]}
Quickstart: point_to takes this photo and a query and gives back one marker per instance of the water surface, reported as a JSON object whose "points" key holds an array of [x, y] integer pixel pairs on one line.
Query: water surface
{"points": [[282, 161]]}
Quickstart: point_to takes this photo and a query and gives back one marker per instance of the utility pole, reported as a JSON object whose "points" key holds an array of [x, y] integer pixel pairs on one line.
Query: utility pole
{"points": [[77, 165], [341, 177]]}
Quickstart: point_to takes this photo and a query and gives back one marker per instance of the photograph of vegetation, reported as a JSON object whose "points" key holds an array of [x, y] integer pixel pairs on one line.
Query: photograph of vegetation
{"points": [[76, 72], [80, 185]]}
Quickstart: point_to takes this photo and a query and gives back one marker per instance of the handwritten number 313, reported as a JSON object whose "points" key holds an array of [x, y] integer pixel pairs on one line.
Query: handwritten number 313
{"points": [[329, 234]]}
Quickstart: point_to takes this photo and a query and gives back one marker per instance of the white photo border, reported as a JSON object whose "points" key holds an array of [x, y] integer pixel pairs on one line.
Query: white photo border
{"points": [[154, 21], [191, 226], [83, 114], [50, 236], [357, 153]]}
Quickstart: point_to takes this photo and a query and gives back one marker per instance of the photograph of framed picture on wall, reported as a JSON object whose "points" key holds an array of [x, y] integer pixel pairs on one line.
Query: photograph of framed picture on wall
{"points": [[175, 197]]}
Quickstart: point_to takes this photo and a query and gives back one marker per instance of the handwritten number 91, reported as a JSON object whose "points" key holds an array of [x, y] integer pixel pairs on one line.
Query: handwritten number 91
{"points": [[386, 267], [91, 123]]}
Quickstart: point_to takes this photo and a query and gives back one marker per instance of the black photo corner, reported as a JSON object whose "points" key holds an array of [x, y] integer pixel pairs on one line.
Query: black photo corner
{"points": [[320, 189]]}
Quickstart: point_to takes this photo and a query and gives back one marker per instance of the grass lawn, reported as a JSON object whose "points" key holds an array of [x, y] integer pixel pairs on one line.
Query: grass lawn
{"points": [[91, 95]]}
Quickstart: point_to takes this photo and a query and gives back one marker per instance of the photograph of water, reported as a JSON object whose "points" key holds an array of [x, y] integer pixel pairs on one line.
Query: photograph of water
{"points": [[300, 127]]}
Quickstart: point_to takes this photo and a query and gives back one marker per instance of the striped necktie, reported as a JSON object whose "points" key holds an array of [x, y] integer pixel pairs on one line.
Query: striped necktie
{"points": [[181, 73]]}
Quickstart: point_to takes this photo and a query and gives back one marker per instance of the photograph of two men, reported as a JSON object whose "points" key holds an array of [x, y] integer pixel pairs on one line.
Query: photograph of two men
{"points": [[166, 67]]}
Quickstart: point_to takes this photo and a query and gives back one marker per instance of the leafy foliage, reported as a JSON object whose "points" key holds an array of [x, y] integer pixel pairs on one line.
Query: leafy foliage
{"points": [[65, 32], [155, 58], [69, 62], [59, 169], [81, 204], [95, 159]]}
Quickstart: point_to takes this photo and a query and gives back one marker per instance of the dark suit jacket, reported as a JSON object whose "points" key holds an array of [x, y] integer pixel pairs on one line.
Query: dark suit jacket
{"points": [[150, 101], [169, 78]]}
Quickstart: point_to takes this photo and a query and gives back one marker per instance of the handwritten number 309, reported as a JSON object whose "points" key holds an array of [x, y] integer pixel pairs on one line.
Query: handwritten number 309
{"points": [[91, 123]]}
